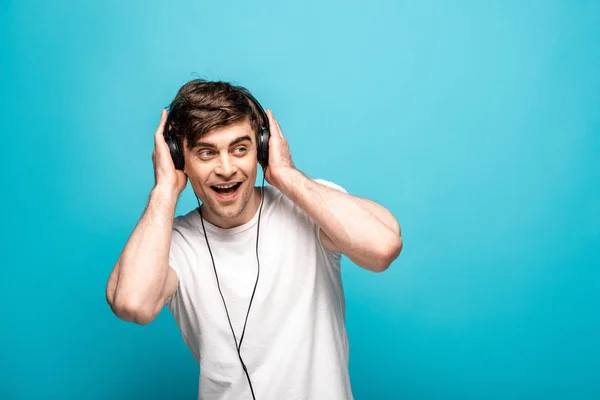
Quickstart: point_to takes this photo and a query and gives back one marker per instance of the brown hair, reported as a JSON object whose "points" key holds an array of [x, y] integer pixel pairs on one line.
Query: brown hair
{"points": [[201, 106]]}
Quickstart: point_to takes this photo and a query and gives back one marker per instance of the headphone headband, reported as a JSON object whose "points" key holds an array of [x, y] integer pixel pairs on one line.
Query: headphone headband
{"points": [[260, 109]]}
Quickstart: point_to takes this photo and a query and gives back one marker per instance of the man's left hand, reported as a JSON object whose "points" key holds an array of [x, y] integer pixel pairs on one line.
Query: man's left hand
{"points": [[280, 159]]}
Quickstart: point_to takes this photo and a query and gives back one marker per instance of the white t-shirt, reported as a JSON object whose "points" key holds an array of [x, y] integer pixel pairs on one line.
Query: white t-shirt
{"points": [[295, 344]]}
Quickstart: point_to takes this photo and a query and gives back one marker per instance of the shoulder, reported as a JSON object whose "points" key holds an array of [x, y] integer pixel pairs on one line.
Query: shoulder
{"points": [[284, 208], [185, 221], [184, 229]]}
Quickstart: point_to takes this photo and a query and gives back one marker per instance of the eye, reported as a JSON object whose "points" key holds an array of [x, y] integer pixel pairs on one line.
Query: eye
{"points": [[206, 153], [241, 150]]}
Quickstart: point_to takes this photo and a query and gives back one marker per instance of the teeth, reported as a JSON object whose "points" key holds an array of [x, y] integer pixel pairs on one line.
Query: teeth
{"points": [[225, 186]]}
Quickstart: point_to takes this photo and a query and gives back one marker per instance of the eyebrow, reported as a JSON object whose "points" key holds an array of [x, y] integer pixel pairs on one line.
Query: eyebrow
{"points": [[233, 143]]}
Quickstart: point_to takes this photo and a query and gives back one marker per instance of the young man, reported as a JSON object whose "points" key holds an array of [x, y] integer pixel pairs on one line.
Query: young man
{"points": [[252, 276]]}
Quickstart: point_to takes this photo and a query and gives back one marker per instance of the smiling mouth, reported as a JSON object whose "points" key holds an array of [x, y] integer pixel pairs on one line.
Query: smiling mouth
{"points": [[226, 190]]}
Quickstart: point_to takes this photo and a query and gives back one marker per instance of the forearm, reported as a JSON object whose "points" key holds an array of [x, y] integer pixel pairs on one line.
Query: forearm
{"points": [[138, 280], [382, 214], [364, 231]]}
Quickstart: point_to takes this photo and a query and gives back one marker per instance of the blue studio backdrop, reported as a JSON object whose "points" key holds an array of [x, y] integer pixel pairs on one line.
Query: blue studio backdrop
{"points": [[476, 123]]}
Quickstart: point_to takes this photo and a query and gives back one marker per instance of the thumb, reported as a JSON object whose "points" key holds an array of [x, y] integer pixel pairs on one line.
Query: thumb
{"points": [[161, 124]]}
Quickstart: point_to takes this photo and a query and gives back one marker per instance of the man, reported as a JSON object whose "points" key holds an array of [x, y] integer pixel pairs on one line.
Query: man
{"points": [[252, 276]]}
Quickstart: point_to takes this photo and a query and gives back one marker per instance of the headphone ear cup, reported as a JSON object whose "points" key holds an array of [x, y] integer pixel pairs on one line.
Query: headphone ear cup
{"points": [[173, 144], [176, 153], [263, 147]]}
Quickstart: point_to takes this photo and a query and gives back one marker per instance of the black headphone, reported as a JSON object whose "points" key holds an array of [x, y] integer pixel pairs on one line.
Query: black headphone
{"points": [[262, 143]]}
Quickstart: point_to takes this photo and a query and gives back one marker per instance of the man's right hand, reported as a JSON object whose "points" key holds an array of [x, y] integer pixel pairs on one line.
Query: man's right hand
{"points": [[142, 280], [166, 177]]}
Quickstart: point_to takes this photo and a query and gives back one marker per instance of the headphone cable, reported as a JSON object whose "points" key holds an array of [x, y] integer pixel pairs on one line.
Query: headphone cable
{"points": [[238, 346]]}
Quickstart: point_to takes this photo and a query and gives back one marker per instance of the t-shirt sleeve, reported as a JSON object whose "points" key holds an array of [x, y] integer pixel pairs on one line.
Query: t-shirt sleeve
{"points": [[181, 302], [177, 261]]}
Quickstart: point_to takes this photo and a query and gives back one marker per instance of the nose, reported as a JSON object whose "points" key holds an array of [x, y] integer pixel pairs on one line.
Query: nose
{"points": [[226, 168]]}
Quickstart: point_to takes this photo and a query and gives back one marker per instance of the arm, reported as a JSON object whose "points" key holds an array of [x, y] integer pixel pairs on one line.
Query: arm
{"points": [[363, 230], [383, 214], [141, 279]]}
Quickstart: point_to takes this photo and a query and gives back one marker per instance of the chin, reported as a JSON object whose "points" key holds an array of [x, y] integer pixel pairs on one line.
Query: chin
{"points": [[230, 208]]}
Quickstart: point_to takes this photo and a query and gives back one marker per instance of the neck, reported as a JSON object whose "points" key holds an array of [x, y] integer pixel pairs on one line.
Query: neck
{"points": [[246, 215]]}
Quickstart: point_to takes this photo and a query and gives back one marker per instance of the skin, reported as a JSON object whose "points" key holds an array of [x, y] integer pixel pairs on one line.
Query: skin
{"points": [[223, 156], [142, 280]]}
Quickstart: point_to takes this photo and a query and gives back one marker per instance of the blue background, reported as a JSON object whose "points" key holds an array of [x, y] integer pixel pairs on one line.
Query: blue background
{"points": [[476, 123]]}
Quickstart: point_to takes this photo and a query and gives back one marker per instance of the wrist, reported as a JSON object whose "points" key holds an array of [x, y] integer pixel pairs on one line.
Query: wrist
{"points": [[285, 179], [165, 194]]}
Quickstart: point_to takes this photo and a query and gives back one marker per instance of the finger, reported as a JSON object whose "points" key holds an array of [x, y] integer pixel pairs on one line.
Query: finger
{"points": [[163, 118], [270, 118], [159, 138], [161, 124], [279, 129], [272, 126], [273, 123]]}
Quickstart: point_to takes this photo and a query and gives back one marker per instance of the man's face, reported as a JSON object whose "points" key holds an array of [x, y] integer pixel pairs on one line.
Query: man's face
{"points": [[222, 170]]}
